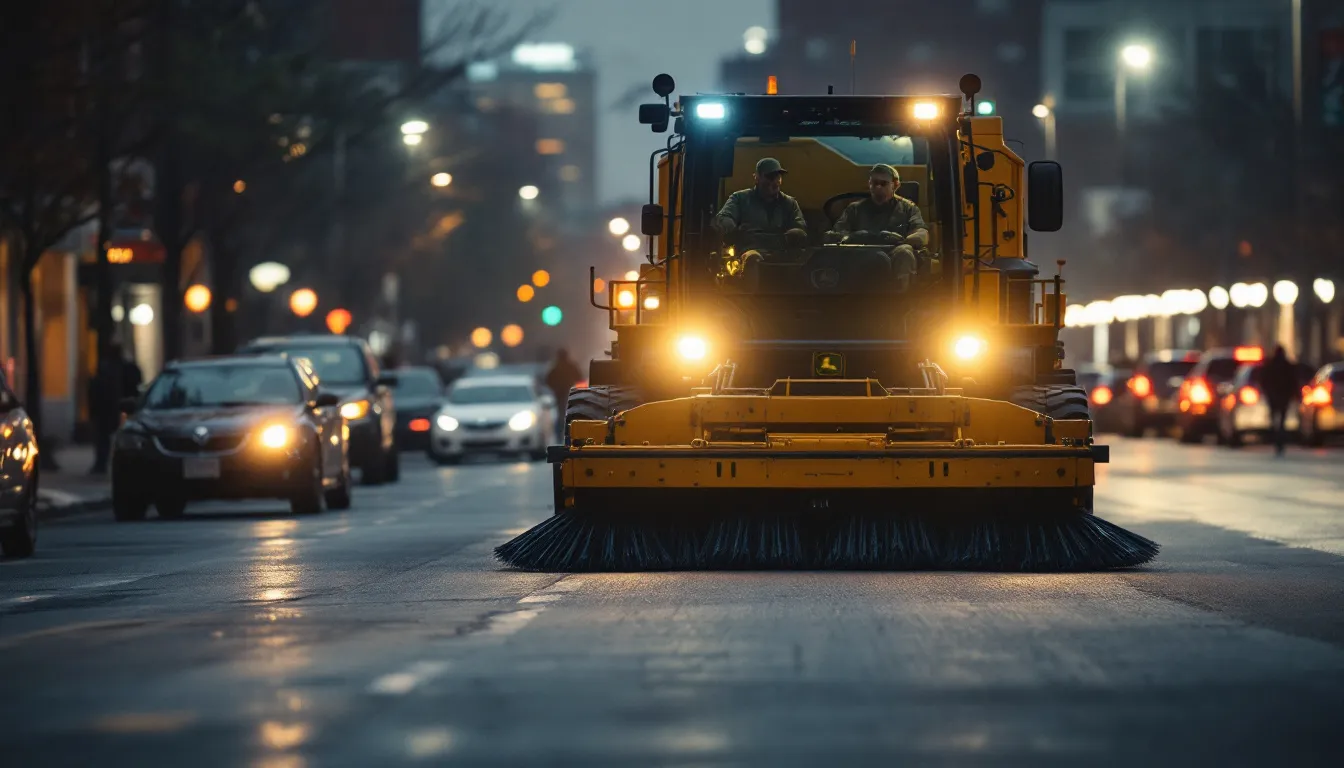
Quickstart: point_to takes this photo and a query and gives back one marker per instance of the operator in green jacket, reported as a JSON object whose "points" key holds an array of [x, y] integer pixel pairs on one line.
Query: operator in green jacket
{"points": [[764, 208], [885, 219]]}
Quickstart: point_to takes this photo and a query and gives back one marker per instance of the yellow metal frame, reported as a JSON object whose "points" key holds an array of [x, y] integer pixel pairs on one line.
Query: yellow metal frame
{"points": [[761, 440]]}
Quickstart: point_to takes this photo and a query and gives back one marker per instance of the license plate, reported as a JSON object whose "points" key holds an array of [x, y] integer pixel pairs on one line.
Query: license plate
{"points": [[200, 469]]}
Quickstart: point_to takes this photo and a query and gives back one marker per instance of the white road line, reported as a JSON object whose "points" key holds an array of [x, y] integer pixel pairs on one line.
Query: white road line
{"points": [[509, 623], [401, 683]]}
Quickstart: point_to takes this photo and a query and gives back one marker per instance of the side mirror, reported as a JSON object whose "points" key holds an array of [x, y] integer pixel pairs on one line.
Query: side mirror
{"points": [[386, 380], [655, 115], [1045, 196], [128, 405], [651, 220], [326, 400]]}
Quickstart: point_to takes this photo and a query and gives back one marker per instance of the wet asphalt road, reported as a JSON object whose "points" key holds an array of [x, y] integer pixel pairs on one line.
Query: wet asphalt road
{"points": [[386, 635]]}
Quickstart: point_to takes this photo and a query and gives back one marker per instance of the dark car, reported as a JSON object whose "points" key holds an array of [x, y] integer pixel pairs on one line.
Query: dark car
{"points": [[1103, 385], [1244, 410], [244, 427], [1321, 410], [348, 368], [1197, 405], [419, 396], [1150, 398], [18, 476]]}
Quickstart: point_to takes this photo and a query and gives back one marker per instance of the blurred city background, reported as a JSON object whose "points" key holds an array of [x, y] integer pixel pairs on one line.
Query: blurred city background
{"points": [[438, 176]]}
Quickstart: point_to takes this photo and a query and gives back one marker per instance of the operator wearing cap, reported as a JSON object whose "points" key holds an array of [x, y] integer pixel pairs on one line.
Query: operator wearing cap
{"points": [[764, 208], [884, 219]]}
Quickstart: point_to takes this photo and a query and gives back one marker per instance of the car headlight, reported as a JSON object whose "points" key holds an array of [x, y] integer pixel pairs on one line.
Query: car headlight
{"points": [[446, 423], [275, 436], [356, 410], [522, 420], [692, 348], [968, 347]]}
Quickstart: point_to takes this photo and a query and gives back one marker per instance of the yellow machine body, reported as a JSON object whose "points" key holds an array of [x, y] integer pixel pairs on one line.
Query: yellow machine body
{"points": [[852, 432]]}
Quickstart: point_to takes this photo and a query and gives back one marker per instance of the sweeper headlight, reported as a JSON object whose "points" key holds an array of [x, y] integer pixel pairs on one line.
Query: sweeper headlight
{"points": [[968, 347], [692, 348], [925, 110]]}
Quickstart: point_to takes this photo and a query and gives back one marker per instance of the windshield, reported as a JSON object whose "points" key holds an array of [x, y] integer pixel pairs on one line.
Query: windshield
{"points": [[1222, 369], [482, 395], [418, 384], [223, 386], [336, 365]]}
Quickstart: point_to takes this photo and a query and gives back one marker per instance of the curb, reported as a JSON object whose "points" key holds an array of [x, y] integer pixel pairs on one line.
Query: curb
{"points": [[54, 505]]}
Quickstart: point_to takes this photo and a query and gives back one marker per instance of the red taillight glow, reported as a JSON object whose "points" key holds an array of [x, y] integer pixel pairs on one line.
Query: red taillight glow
{"points": [[1229, 402], [1319, 394], [1141, 386], [1200, 394], [1249, 395], [1248, 354], [1102, 395], [419, 425]]}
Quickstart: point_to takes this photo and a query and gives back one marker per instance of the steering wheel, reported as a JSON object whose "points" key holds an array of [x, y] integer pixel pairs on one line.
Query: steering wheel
{"points": [[843, 197]]}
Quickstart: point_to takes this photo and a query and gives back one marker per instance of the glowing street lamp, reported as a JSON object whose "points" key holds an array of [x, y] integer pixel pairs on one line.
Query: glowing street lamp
{"points": [[1046, 115], [1137, 56], [1285, 293], [197, 298], [338, 320], [268, 276], [525, 293], [481, 337], [618, 226], [541, 278], [303, 301], [528, 192], [1325, 289], [511, 335], [414, 128], [631, 242], [441, 179]]}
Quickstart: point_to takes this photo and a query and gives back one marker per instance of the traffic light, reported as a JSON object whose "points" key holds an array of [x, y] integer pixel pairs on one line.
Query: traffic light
{"points": [[984, 108], [552, 315]]}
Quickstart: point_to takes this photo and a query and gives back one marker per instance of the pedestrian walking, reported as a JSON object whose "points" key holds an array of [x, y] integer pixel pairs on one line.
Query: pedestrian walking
{"points": [[117, 378], [562, 375], [1279, 379]]}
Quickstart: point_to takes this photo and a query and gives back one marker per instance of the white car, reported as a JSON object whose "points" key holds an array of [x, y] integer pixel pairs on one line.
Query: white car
{"points": [[493, 414]]}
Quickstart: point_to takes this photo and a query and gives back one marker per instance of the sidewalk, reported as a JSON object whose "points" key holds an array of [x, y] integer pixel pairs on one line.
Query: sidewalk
{"points": [[72, 489]]}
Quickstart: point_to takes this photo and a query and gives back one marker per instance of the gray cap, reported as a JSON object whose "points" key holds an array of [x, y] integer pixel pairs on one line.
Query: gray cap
{"points": [[885, 169], [769, 165]]}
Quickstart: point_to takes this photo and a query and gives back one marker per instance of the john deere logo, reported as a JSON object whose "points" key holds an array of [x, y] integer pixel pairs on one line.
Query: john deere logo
{"points": [[828, 364]]}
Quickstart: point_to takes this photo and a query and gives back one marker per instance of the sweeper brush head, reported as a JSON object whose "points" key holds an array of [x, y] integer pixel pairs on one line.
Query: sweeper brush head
{"points": [[1054, 541]]}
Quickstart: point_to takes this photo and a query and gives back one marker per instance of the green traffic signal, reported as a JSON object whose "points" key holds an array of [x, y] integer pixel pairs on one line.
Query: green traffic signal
{"points": [[984, 108], [552, 315]]}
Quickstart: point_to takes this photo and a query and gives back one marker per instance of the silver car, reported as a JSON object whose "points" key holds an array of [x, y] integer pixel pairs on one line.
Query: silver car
{"points": [[493, 414]]}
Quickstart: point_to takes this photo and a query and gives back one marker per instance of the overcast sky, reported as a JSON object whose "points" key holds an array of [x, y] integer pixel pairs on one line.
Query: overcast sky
{"points": [[629, 42]]}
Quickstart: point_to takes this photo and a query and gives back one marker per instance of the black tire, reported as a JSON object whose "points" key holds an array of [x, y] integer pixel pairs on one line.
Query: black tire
{"points": [[312, 499], [1058, 401], [339, 497], [393, 471], [170, 508], [21, 539], [599, 403]]}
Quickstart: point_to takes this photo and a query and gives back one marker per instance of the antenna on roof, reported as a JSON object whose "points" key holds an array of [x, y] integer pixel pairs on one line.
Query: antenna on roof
{"points": [[853, 54]]}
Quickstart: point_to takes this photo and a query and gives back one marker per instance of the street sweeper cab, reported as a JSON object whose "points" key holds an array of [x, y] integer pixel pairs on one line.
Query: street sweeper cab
{"points": [[812, 401]]}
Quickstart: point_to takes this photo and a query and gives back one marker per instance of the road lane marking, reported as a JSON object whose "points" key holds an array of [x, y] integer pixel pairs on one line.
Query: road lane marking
{"points": [[407, 680], [509, 623]]}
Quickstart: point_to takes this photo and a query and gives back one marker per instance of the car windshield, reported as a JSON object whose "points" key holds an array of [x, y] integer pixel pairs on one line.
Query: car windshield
{"points": [[418, 384], [1222, 369], [1164, 372], [223, 386], [482, 395], [336, 365]]}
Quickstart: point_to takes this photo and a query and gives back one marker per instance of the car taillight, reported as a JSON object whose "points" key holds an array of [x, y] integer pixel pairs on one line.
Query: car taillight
{"points": [[419, 425], [1141, 386], [1229, 402], [1249, 395], [1321, 394], [1102, 395], [1248, 354], [1199, 392]]}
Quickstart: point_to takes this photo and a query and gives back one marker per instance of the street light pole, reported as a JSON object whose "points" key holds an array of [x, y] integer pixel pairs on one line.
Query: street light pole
{"points": [[1136, 57]]}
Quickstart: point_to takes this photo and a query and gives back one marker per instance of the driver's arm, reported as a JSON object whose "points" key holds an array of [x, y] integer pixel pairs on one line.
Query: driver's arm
{"points": [[919, 232], [843, 225], [729, 215]]}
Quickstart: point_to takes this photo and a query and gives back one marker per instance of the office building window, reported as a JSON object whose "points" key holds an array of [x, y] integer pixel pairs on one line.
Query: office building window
{"points": [[550, 146]]}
